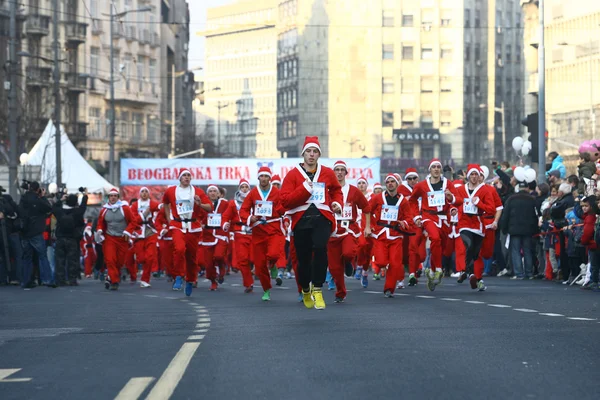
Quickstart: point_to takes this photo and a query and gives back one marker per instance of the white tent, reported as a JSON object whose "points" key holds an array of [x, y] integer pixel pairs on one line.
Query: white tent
{"points": [[76, 172]]}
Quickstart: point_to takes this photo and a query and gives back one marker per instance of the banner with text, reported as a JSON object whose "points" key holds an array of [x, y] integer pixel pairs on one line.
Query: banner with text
{"points": [[228, 171]]}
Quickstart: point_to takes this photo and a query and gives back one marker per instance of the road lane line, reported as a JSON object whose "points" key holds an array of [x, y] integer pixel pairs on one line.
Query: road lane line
{"points": [[499, 305], [526, 310], [150, 295], [196, 337], [204, 325], [172, 298], [134, 388], [201, 331], [5, 373], [372, 292], [165, 386], [474, 302], [581, 319], [203, 319], [552, 315], [449, 299], [426, 297]]}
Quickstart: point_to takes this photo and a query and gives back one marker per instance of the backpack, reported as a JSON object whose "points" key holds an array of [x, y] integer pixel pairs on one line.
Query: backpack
{"points": [[597, 232], [66, 223]]}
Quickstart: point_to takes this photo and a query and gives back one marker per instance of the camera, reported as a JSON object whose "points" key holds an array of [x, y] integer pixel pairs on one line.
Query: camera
{"points": [[447, 168], [82, 189], [2, 190], [25, 184]]}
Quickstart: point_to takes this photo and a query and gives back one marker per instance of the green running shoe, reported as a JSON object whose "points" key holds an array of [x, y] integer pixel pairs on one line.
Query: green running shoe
{"points": [[266, 296]]}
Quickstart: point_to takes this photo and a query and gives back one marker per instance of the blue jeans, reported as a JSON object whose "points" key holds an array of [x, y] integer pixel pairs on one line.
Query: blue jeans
{"points": [[35, 244], [524, 243], [52, 260]]}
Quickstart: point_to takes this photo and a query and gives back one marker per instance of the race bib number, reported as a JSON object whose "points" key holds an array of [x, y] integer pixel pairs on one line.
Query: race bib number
{"points": [[469, 207], [436, 199], [318, 193], [346, 214], [263, 209], [184, 207], [389, 213], [214, 220]]}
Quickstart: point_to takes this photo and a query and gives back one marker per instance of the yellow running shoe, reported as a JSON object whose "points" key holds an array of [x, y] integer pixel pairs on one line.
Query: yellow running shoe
{"points": [[308, 299], [439, 274], [318, 297]]}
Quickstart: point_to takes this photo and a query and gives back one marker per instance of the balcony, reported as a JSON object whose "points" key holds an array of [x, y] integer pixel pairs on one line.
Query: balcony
{"points": [[130, 33], [75, 32], [146, 37], [76, 83], [38, 76], [76, 130], [132, 96], [118, 30], [155, 42], [97, 27], [37, 25]]}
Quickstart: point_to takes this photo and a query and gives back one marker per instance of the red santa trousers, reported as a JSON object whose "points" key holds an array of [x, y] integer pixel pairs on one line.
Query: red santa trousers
{"points": [[89, 259], [185, 246], [267, 251], [131, 263], [166, 255], [389, 252], [365, 251], [437, 241], [414, 251], [487, 251], [456, 245], [241, 257], [115, 251], [214, 256], [146, 254], [341, 250]]}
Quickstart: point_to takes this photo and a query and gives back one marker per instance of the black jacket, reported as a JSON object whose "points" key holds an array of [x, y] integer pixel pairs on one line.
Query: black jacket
{"points": [[69, 221], [559, 209], [11, 212], [35, 210], [539, 200], [519, 217]]}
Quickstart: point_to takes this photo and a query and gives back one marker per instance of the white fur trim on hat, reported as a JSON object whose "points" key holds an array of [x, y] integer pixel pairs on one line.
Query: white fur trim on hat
{"points": [[410, 174], [470, 171], [211, 187], [144, 188], [392, 176], [184, 171], [340, 164]]}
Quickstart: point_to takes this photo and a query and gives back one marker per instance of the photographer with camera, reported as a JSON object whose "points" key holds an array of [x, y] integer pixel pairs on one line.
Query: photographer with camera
{"points": [[69, 232], [11, 251], [35, 208]]}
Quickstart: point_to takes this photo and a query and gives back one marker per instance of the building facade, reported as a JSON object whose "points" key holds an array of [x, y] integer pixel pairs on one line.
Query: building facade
{"points": [[240, 80]]}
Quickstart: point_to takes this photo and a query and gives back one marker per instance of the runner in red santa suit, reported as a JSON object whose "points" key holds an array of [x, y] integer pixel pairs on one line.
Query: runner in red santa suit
{"points": [[146, 252], [116, 225], [312, 194], [435, 195], [183, 205], [392, 218], [343, 244], [365, 242], [242, 235], [472, 201], [276, 181], [377, 190], [88, 250], [214, 239], [165, 242], [414, 246], [455, 243], [262, 212]]}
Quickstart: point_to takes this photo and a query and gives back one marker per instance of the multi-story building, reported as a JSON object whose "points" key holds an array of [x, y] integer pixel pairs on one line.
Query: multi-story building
{"points": [[241, 78], [572, 67]]}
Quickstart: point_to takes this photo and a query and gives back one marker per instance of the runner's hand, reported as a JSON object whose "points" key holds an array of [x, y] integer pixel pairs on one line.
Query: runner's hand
{"points": [[254, 218], [226, 226], [493, 226], [367, 232], [336, 209], [448, 194], [197, 199], [403, 225], [419, 223]]}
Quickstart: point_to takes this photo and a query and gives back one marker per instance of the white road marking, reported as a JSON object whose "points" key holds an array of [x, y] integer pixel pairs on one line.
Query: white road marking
{"points": [[426, 297], [200, 307], [201, 331], [552, 315], [203, 319], [184, 300], [127, 294], [402, 294], [202, 326], [5, 373], [474, 302], [169, 380], [449, 299], [499, 305], [150, 295], [196, 337], [526, 310], [235, 285], [372, 292], [281, 288], [172, 298], [194, 304], [581, 319], [134, 388]]}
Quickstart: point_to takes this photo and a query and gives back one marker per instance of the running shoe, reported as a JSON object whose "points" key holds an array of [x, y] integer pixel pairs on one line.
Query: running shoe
{"points": [[288, 275], [481, 286], [388, 294], [456, 274], [274, 272], [383, 272], [376, 277], [339, 300], [438, 275], [319, 302], [188, 288], [279, 279], [473, 281], [430, 280], [358, 273], [307, 298], [412, 280], [249, 289], [266, 296], [348, 269], [330, 284], [178, 283], [114, 286], [300, 298], [145, 285], [400, 285], [202, 273], [364, 281], [195, 285], [221, 280], [213, 286], [107, 284], [462, 277]]}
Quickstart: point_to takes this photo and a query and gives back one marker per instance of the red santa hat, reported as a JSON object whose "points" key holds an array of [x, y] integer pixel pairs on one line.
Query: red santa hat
{"points": [[340, 163], [276, 179], [362, 179], [434, 162], [183, 171], [114, 191], [212, 186], [473, 168], [410, 172], [377, 186], [264, 171], [243, 182], [144, 188], [311, 141], [392, 176]]}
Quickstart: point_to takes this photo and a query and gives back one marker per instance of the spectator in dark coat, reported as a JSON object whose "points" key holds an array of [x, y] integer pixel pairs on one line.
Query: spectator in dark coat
{"points": [[558, 215]]}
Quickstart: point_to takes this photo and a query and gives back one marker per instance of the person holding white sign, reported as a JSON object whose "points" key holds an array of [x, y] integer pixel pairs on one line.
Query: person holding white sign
{"points": [[343, 244], [472, 201], [430, 200], [214, 239], [183, 205], [262, 212], [392, 220], [312, 195]]}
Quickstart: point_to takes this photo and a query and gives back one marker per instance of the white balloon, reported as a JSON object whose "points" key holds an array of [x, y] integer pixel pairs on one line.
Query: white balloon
{"points": [[525, 150], [530, 175], [519, 174], [517, 143], [527, 144], [486, 171], [23, 158], [52, 188]]}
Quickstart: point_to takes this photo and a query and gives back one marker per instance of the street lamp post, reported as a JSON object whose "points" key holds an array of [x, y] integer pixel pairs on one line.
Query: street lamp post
{"points": [[219, 107], [541, 98], [503, 125], [57, 131]]}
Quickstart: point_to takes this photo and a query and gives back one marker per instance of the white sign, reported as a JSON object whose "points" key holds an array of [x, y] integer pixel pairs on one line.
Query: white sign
{"points": [[346, 214], [214, 220], [436, 198], [318, 193], [389, 213], [263, 209], [184, 207], [469, 207]]}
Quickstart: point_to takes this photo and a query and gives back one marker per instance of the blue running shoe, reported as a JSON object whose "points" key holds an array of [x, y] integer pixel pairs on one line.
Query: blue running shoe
{"points": [[331, 284], [328, 277], [300, 298], [178, 283], [188, 288], [365, 281], [358, 273]]}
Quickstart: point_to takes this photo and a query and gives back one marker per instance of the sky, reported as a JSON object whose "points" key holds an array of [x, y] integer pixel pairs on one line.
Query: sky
{"points": [[198, 23]]}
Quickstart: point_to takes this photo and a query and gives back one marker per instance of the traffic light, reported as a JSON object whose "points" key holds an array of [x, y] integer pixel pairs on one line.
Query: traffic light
{"points": [[531, 122]]}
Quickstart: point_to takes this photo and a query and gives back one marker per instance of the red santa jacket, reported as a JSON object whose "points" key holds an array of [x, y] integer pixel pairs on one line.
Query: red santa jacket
{"points": [[488, 219], [125, 210], [296, 193], [194, 224], [347, 222], [421, 194], [232, 216], [405, 213], [471, 208], [266, 226], [212, 234], [138, 209]]}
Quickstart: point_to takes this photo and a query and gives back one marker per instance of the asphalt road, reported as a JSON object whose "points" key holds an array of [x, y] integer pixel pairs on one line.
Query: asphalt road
{"points": [[520, 339]]}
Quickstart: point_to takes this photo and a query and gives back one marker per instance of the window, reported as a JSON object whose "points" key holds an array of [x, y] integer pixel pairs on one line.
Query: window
{"points": [[499, 19], [94, 8], [407, 52], [477, 52], [408, 20], [152, 75], [508, 54], [388, 85], [388, 51], [165, 12], [468, 52], [427, 121], [426, 52], [445, 118], [518, 54], [407, 150], [446, 150], [426, 85], [467, 18], [127, 69], [446, 17], [427, 17], [388, 18], [477, 19], [408, 119], [408, 84], [427, 151], [445, 84], [388, 150], [446, 52], [141, 64], [94, 61], [138, 119], [387, 119]]}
